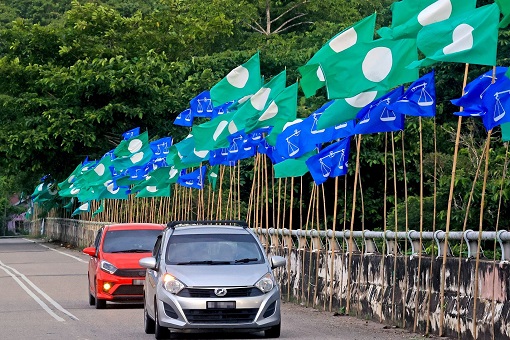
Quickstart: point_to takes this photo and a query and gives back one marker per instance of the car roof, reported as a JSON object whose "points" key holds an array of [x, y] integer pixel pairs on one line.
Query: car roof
{"points": [[209, 229], [135, 226]]}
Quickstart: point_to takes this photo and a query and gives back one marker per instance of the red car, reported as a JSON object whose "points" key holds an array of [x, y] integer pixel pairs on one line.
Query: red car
{"points": [[114, 273]]}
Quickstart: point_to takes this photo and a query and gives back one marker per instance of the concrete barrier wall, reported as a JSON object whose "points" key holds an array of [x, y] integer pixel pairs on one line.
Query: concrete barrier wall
{"points": [[381, 288]]}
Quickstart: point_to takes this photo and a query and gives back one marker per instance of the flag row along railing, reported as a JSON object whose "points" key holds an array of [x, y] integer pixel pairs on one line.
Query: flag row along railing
{"points": [[242, 118]]}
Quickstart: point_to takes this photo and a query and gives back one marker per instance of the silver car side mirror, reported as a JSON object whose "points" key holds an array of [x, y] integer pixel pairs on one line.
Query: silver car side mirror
{"points": [[148, 262], [278, 261]]}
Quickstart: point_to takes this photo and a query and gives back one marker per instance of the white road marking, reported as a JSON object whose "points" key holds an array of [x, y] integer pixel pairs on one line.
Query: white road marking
{"points": [[32, 295], [37, 289], [60, 252]]}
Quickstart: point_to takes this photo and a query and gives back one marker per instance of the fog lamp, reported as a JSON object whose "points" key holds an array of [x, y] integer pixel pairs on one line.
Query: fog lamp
{"points": [[107, 286]]}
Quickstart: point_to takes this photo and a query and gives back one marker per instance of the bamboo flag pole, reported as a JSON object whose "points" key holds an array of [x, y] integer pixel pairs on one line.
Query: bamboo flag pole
{"points": [[289, 251], [449, 211], [404, 296], [239, 190], [418, 273], [480, 229], [304, 245], [395, 242], [332, 248], [315, 221], [503, 178], [353, 214], [466, 216], [266, 182], [220, 195], [358, 290], [344, 228], [383, 252], [230, 198]]}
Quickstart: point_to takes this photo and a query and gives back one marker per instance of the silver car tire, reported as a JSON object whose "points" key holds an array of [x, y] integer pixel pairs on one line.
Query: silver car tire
{"points": [[159, 332], [148, 323], [273, 332]]}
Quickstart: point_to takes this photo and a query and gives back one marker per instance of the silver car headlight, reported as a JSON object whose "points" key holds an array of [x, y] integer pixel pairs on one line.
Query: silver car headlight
{"points": [[266, 283], [172, 285], [107, 267]]}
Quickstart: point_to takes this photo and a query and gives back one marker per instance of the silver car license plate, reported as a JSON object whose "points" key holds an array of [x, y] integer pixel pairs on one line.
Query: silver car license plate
{"points": [[221, 304]]}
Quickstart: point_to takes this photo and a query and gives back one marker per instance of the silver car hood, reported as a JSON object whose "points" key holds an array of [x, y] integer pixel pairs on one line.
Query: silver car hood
{"points": [[218, 275]]}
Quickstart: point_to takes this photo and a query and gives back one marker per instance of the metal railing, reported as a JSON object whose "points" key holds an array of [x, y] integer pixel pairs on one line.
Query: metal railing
{"points": [[328, 240]]}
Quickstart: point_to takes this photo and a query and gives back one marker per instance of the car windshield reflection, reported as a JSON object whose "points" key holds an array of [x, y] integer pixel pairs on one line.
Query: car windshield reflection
{"points": [[213, 249], [130, 241]]}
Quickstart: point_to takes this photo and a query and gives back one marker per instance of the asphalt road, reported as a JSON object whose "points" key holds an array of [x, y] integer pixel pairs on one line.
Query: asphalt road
{"points": [[43, 295]]}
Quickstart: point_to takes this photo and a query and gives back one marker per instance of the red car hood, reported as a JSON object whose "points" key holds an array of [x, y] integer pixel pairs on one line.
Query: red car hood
{"points": [[125, 260]]}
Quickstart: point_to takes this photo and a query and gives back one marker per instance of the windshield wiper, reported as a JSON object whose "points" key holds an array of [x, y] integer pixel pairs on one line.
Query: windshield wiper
{"points": [[204, 262], [245, 260], [132, 251]]}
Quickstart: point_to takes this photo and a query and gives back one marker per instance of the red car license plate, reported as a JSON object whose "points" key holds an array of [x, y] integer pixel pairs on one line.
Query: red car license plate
{"points": [[138, 282]]}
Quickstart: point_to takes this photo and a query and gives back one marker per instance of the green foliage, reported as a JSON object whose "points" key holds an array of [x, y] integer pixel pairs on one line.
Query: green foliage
{"points": [[75, 75]]}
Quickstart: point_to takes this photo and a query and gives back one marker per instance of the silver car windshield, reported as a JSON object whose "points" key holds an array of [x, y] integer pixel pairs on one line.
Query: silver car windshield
{"points": [[213, 249]]}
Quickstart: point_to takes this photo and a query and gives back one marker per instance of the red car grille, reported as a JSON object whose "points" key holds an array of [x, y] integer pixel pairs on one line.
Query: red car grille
{"points": [[130, 272], [128, 290]]}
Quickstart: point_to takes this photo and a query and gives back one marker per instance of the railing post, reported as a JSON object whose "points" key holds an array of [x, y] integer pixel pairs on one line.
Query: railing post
{"points": [[370, 245], [440, 240], [472, 244], [503, 239]]}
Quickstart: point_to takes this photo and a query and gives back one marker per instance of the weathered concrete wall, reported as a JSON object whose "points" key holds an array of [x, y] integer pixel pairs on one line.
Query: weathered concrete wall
{"points": [[374, 286], [378, 288]]}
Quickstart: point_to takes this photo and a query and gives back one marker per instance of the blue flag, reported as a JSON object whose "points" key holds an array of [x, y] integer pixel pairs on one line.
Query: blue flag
{"points": [[496, 102], [194, 179], [219, 157], [474, 91], [185, 118], [330, 162], [201, 105], [419, 98], [131, 133], [377, 117], [240, 147], [270, 151], [222, 109], [160, 148]]}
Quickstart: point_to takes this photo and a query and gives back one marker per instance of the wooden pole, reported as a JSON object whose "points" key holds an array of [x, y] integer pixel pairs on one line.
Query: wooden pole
{"points": [[353, 214], [332, 249], [418, 273], [449, 212], [480, 229], [395, 242]]}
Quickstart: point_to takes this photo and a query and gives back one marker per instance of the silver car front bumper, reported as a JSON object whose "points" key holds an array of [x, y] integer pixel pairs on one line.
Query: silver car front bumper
{"points": [[190, 313]]}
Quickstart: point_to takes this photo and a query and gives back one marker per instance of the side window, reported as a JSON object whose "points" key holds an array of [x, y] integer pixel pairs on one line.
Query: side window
{"points": [[98, 240], [156, 252]]}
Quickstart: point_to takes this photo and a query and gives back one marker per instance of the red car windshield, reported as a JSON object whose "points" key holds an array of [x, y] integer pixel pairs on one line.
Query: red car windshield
{"points": [[130, 241]]}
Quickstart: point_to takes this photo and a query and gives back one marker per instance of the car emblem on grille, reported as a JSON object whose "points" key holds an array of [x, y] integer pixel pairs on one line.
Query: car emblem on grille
{"points": [[220, 291]]}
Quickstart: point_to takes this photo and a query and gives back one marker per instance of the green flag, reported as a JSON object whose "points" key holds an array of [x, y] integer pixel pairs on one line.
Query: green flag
{"points": [[85, 207], [312, 77], [343, 110], [410, 16], [377, 65], [162, 190], [293, 167], [259, 101], [44, 192], [282, 110], [99, 210], [468, 38], [504, 7], [212, 175], [134, 151], [160, 177], [242, 81], [97, 175], [505, 132]]}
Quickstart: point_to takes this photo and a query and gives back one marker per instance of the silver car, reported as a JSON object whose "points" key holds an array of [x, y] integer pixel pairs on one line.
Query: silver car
{"points": [[210, 276]]}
